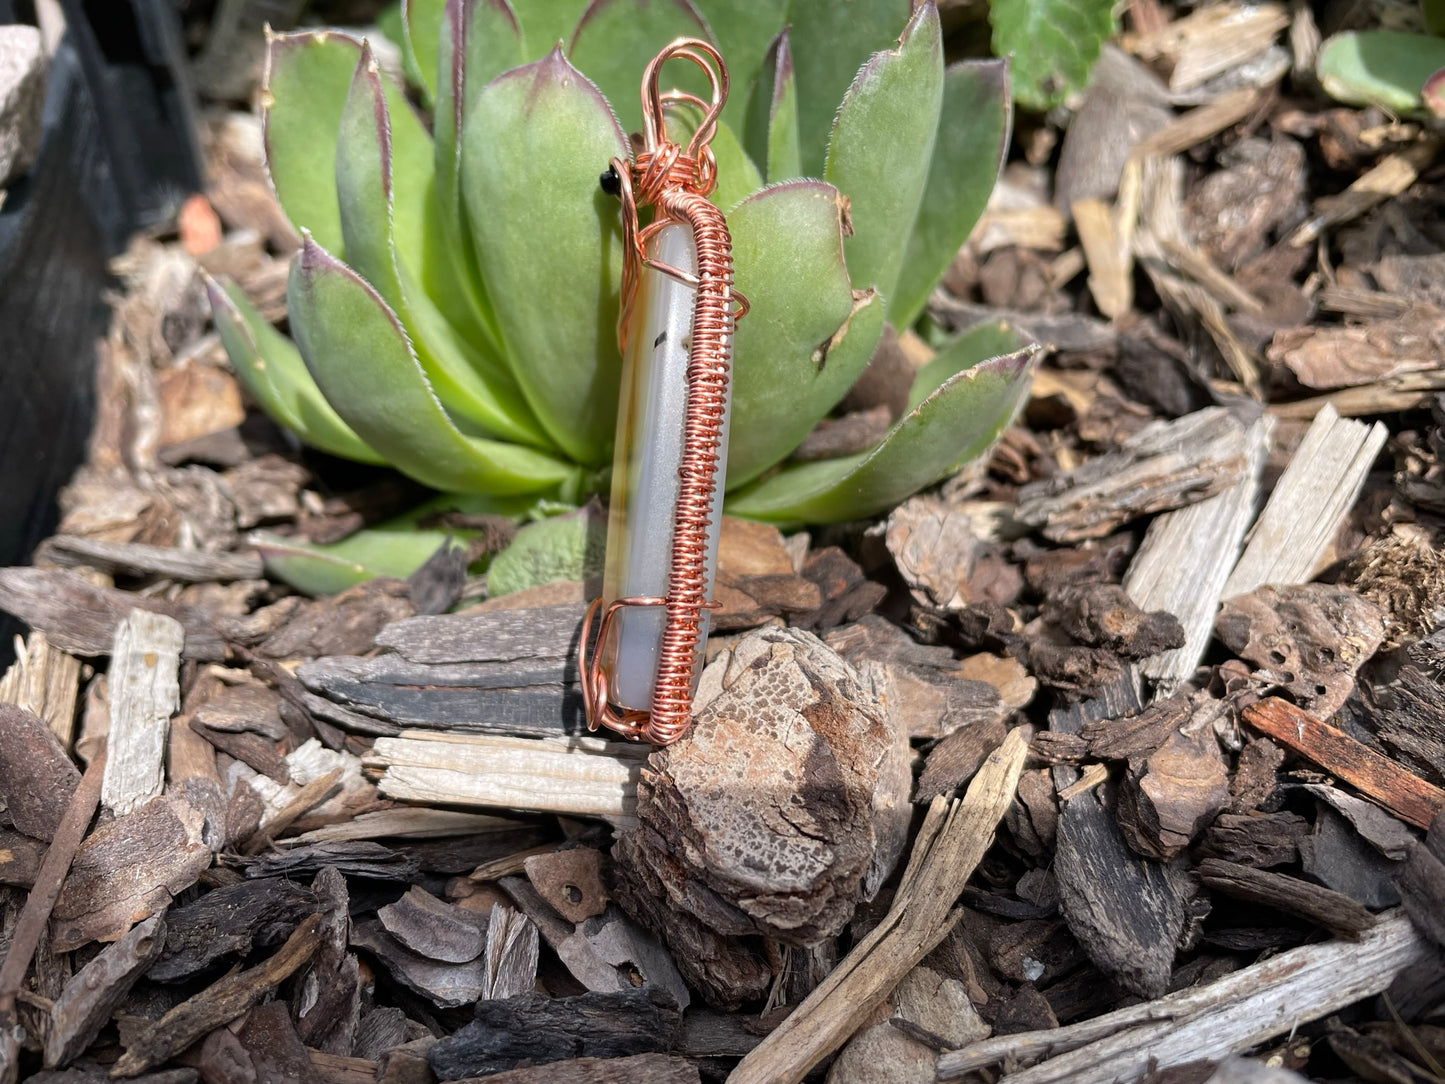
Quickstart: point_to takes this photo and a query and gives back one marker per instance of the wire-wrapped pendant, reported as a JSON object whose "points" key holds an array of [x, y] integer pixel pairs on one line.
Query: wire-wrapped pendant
{"points": [[676, 332]]}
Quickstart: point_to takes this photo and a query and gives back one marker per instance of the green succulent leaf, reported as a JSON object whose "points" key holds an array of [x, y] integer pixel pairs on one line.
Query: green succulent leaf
{"points": [[771, 130], [957, 421], [548, 23], [396, 547], [384, 167], [356, 349], [307, 79], [565, 547], [271, 370], [973, 137], [549, 243], [422, 20], [1386, 68], [808, 334], [744, 31], [881, 147], [830, 42], [617, 38], [1052, 45]]}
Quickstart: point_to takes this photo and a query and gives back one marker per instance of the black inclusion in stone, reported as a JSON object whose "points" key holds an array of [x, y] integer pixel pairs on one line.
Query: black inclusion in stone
{"points": [[611, 183]]}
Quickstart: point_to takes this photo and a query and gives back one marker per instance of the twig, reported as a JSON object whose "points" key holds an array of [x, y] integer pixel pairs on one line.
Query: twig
{"points": [[38, 905], [1376, 777], [952, 841]]}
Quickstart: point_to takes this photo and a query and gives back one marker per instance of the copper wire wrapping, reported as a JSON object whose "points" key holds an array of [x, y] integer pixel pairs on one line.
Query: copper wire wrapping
{"points": [[675, 182]]}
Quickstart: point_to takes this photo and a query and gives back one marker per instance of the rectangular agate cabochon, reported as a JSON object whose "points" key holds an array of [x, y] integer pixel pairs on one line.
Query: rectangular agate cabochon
{"points": [[645, 481]]}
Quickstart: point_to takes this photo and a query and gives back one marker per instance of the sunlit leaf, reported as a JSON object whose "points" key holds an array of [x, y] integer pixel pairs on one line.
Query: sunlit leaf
{"points": [[743, 30], [881, 146], [830, 41], [423, 23], [1052, 45], [338, 318], [959, 420], [808, 335], [771, 132], [1386, 68], [973, 136], [549, 244], [566, 547], [270, 368]]}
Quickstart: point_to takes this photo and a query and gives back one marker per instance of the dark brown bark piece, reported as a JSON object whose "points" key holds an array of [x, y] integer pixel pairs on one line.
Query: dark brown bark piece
{"points": [[137, 559], [847, 593], [359, 858], [1136, 737], [1255, 775], [1408, 716], [218, 1004], [249, 706], [1073, 669], [1336, 856], [638, 1069], [448, 985], [1048, 571], [90, 996], [37, 779], [951, 763], [1421, 881], [1255, 839], [276, 1051], [345, 624], [1308, 639], [127, 870], [328, 999], [570, 880], [1127, 913], [254, 750], [1377, 777], [539, 1030], [19, 858], [1103, 615], [100, 1076], [1169, 797], [227, 921], [78, 617], [1324, 907], [434, 928]]}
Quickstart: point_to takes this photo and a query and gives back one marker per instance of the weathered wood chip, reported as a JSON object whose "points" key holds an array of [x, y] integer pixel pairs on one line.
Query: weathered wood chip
{"points": [[1308, 640], [1103, 615], [1255, 839], [434, 928], [1165, 465], [535, 1030], [1169, 797], [449, 985], [231, 920], [355, 858], [20, 857], [143, 685], [570, 880], [78, 617], [138, 559], [498, 636], [512, 954], [1334, 911], [37, 779], [97, 988], [127, 870], [637, 1069], [345, 624]]}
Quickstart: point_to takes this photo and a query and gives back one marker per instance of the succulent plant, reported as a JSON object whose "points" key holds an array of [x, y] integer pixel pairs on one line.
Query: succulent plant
{"points": [[454, 300]]}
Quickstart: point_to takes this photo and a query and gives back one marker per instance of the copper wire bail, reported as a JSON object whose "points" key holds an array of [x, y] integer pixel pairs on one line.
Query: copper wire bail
{"points": [[675, 182]]}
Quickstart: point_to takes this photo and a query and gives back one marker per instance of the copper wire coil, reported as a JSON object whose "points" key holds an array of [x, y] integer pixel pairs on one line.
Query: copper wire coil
{"points": [[675, 182]]}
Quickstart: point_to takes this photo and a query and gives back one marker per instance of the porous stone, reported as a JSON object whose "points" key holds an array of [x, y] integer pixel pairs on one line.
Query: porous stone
{"points": [[22, 99]]}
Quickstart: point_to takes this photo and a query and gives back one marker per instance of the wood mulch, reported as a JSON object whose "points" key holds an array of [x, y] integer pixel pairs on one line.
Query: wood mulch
{"points": [[1116, 757]]}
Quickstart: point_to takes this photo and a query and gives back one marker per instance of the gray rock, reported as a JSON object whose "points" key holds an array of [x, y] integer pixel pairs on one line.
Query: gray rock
{"points": [[22, 99]]}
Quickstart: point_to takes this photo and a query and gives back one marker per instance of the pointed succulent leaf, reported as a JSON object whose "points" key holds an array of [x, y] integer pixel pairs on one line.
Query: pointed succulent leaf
{"points": [[1386, 68], [961, 353], [566, 547], [549, 243], [881, 146], [382, 166], [807, 336], [422, 26], [480, 39], [830, 42], [307, 79], [617, 38], [355, 347], [771, 127], [959, 420], [743, 30], [973, 136], [1052, 45], [396, 547], [271, 369]]}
